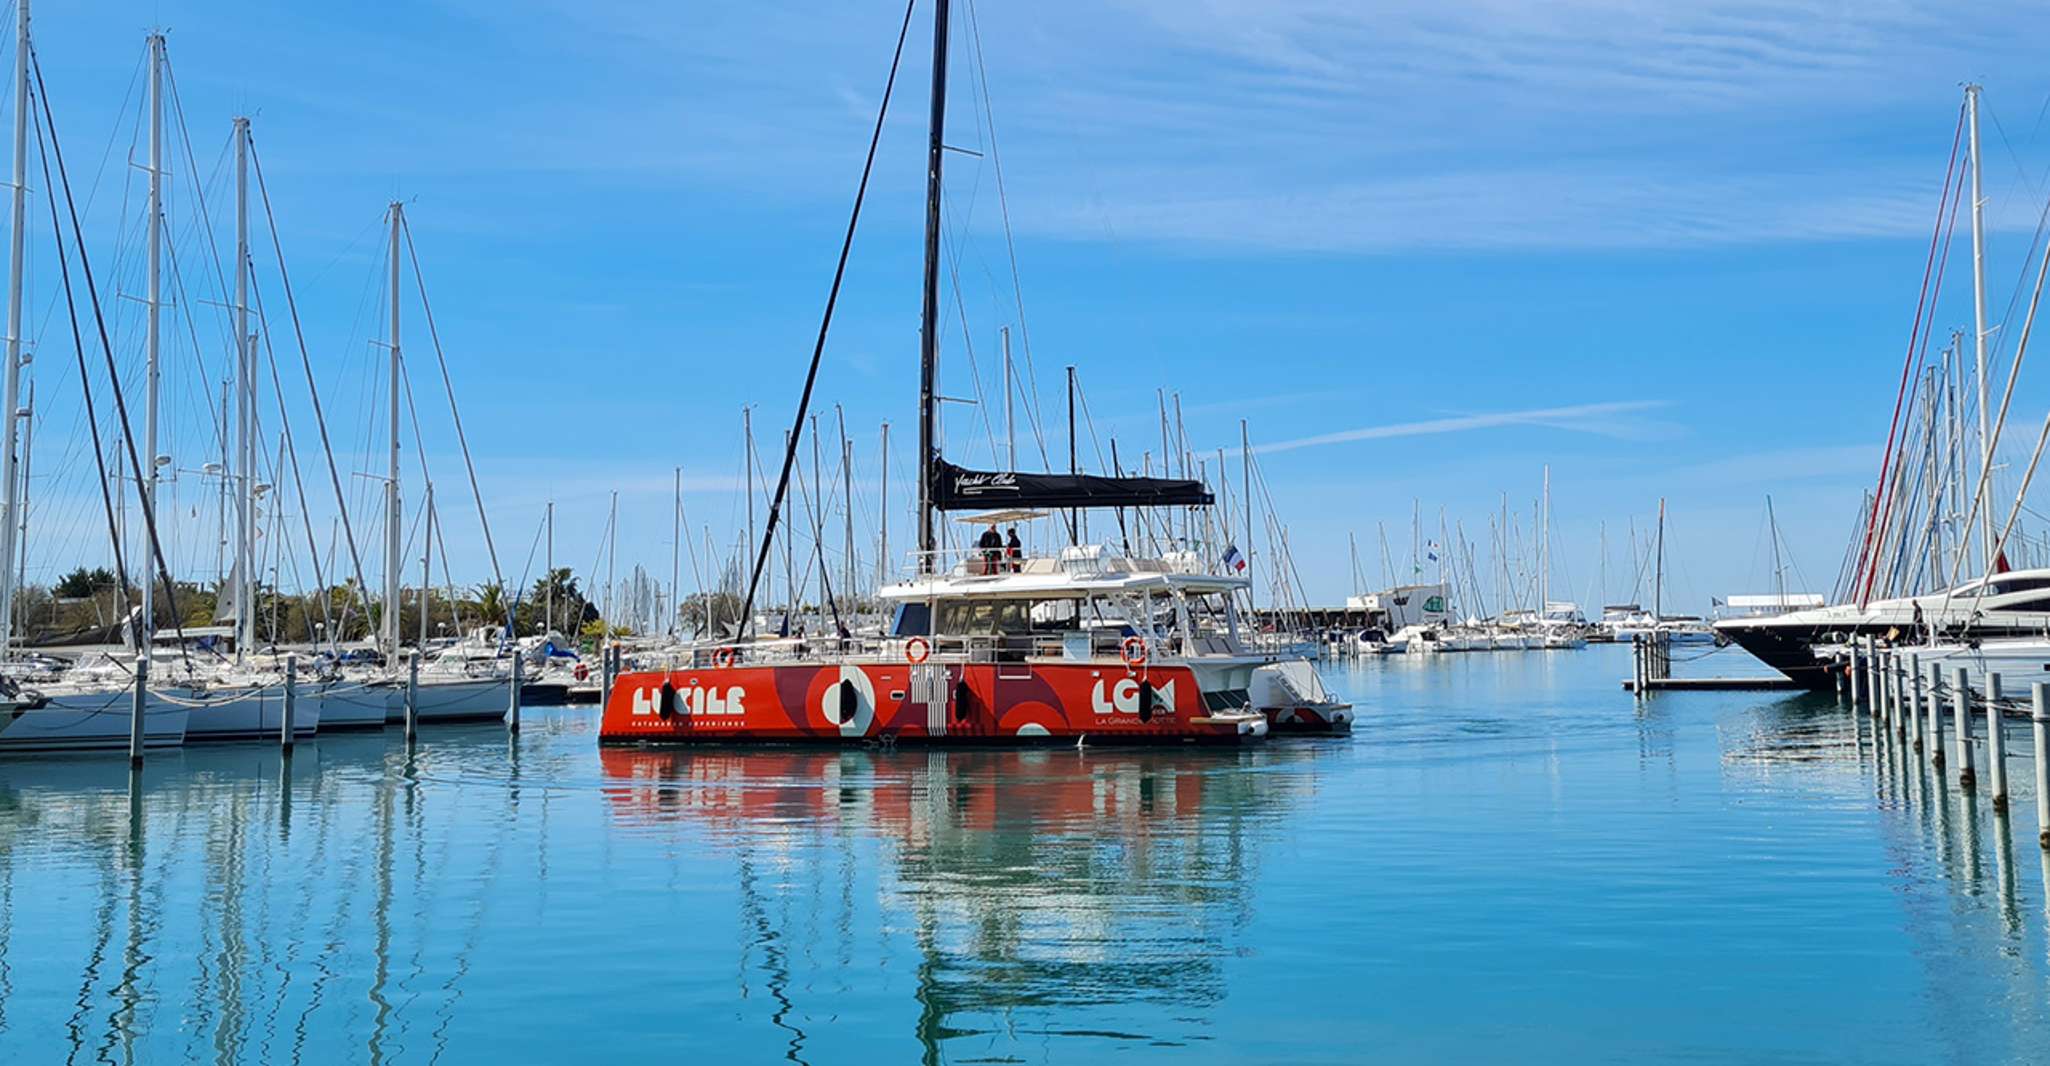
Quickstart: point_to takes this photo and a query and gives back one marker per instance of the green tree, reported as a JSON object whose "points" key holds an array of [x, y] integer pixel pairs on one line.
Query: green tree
{"points": [[491, 602], [725, 613], [556, 602], [80, 583]]}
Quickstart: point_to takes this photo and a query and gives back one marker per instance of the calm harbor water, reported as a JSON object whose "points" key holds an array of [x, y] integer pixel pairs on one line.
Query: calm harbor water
{"points": [[1511, 860]]}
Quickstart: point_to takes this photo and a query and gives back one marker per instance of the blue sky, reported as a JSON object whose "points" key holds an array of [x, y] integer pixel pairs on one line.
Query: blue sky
{"points": [[1669, 249]]}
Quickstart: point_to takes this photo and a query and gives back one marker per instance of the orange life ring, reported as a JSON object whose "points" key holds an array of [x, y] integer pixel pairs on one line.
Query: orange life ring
{"points": [[917, 650], [1133, 651], [723, 658], [581, 672]]}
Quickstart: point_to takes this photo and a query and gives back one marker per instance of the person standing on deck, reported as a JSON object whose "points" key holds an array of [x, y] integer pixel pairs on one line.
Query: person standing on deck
{"points": [[1014, 550], [991, 544]]}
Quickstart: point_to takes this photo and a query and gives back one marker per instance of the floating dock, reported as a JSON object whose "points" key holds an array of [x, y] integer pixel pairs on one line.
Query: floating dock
{"points": [[1712, 684]]}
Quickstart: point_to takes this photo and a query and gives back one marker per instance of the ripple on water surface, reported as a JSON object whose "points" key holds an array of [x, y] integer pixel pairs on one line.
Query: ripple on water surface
{"points": [[1511, 860]]}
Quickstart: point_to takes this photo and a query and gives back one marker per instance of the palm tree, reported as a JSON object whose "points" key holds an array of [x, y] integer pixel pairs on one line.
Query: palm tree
{"points": [[491, 601]]}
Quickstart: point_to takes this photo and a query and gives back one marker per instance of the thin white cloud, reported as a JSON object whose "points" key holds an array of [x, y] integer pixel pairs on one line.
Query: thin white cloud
{"points": [[1553, 416]]}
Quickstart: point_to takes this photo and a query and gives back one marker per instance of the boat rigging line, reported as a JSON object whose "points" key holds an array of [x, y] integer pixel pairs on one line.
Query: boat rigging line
{"points": [[825, 323], [306, 364], [448, 385], [56, 152], [1953, 180]]}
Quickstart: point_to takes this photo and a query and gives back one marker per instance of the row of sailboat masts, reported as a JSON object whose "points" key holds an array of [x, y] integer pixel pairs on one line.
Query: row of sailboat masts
{"points": [[240, 454], [1969, 524], [12, 511]]}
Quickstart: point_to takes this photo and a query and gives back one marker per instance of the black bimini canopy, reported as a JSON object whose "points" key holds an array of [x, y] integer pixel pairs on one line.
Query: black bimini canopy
{"points": [[958, 489]]}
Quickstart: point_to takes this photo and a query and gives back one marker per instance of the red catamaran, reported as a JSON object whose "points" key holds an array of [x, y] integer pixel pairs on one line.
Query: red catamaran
{"points": [[1088, 642]]}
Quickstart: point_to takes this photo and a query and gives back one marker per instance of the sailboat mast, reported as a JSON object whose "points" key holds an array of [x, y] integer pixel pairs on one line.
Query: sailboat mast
{"points": [[427, 556], [1658, 579], [611, 560], [245, 405], [883, 510], [1545, 549], [392, 562], [929, 311], [1246, 490], [675, 547], [548, 610], [1010, 407], [28, 454], [1779, 579], [1979, 319], [12, 507], [1074, 465], [847, 502], [747, 465], [148, 474]]}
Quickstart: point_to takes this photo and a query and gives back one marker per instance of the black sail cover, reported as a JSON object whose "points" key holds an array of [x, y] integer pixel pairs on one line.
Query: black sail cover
{"points": [[956, 488]]}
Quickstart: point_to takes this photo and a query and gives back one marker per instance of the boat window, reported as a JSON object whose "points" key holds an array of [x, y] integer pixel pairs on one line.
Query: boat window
{"points": [[2003, 586], [967, 618], [1051, 616], [913, 620], [2032, 603]]}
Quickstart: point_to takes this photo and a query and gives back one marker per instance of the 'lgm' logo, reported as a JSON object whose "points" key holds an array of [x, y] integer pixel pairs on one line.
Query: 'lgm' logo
{"points": [[1124, 698], [693, 700]]}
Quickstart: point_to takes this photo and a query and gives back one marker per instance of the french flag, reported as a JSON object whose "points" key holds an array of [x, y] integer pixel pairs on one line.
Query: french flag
{"points": [[1232, 559]]}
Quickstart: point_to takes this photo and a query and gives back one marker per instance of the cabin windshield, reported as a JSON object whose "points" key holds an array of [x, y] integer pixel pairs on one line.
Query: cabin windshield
{"points": [[2007, 586], [1004, 617], [986, 618], [912, 620]]}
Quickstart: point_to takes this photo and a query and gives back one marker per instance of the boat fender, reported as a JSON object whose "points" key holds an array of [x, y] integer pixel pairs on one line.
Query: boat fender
{"points": [[667, 706], [847, 702], [962, 694], [581, 672], [1145, 702]]}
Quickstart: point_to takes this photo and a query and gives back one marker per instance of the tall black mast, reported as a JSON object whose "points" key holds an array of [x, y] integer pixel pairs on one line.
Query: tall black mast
{"points": [[929, 314]]}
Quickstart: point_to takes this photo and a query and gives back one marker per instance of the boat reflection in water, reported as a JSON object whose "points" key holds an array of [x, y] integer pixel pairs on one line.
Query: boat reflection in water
{"points": [[482, 898], [1048, 893]]}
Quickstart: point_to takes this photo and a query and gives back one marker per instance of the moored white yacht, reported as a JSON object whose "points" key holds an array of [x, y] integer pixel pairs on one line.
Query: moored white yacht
{"points": [[1801, 644]]}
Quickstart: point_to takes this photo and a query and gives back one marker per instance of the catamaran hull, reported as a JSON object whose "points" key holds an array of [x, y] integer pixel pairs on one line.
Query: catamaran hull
{"points": [[930, 703]]}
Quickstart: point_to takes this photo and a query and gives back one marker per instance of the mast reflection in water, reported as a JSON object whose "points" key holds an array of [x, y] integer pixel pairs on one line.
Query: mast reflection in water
{"points": [[1510, 861], [1037, 886], [358, 903]]}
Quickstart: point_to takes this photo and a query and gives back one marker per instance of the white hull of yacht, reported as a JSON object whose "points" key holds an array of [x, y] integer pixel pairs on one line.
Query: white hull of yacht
{"points": [[350, 704], [248, 712], [2019, 662], [92, 720], [457, 700]]}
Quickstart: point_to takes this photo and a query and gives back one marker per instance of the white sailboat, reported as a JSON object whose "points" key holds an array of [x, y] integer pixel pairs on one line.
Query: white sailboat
{"points": [[86, 710]]}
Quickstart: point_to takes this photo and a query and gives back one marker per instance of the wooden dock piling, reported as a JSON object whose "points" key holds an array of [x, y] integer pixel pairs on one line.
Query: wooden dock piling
{"points": [[1912, 664], [1996, 745], [1934, 707], [512, 695], [412, 697], [1961, 712], [2040, 717], [1853, 674], [291, 704], [141, 704]]}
